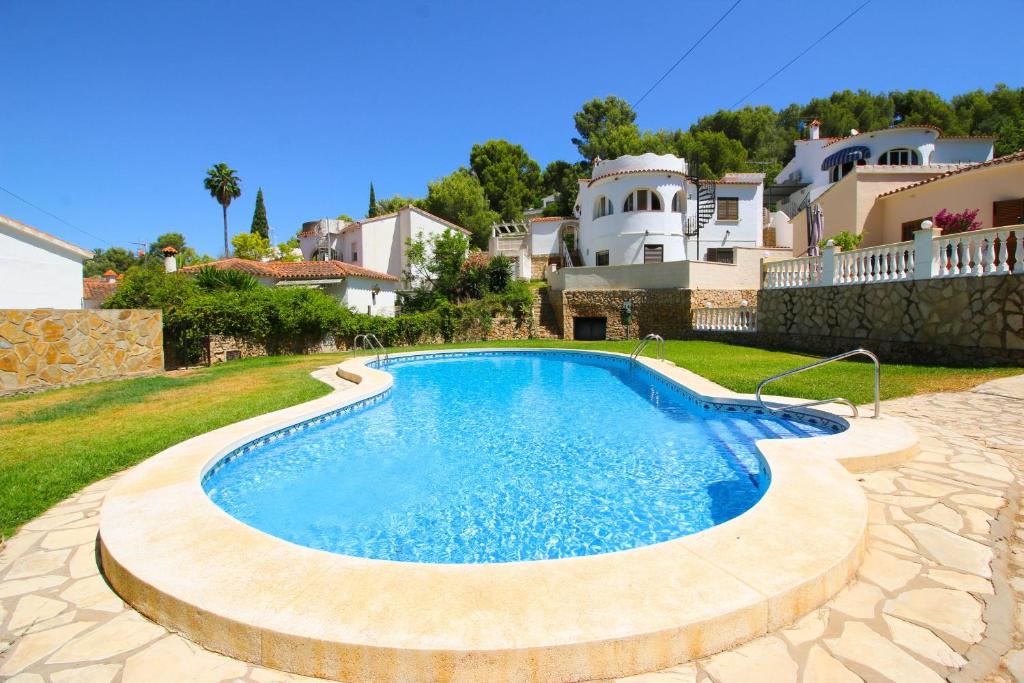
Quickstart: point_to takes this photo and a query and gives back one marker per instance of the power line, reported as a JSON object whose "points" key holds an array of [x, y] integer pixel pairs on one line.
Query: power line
{"points": [[805, 51], [56, 217], [686, 54]]}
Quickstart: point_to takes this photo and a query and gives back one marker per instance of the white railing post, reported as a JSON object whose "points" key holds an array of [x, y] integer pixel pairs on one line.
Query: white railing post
{"points": [[828, 264], [926, 261]]}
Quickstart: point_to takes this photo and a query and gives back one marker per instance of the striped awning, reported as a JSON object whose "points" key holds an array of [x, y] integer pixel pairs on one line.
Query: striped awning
{"points": [[844, 156]]}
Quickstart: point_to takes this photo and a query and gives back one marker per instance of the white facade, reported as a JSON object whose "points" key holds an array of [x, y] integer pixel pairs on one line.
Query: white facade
{"points": [[636, 209], [813, 163], [374, 243], [38, 270]]}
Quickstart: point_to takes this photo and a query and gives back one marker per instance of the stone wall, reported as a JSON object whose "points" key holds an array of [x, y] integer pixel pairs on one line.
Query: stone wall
{"points": [[48, 347], [958, 321], [539, 265], [655, 311]]}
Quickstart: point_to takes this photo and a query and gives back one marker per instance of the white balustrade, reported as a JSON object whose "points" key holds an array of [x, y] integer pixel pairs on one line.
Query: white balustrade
{"points": [[798, 272], [994, 251], [735, 319], [886, 263]]}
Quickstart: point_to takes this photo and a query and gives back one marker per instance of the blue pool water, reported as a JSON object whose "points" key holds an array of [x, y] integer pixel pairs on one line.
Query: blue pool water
{"points": [[505, 456]]}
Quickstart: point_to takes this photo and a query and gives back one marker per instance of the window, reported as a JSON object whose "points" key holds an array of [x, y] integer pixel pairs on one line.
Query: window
{"points": [[654, 253], [901, 156], [728, 209], [1007, 212], [355, 254], [678, 201], [602, 258], [719, 255], [642, 200], [910, 227], [839, 172], [602, 207]]}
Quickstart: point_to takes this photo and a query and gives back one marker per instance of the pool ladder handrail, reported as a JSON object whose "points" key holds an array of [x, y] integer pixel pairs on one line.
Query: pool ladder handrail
{"points": [[642, 344], [819, 363], [370, 341]]}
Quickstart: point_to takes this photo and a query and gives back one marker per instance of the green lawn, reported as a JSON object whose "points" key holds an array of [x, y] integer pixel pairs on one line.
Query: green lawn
{"points": [[57, 442]]}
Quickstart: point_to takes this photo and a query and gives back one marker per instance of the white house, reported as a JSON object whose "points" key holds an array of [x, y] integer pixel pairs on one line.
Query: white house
{"points": [[38, 270], [819, 162], [643, 209], [359, 289], [376, 243]]}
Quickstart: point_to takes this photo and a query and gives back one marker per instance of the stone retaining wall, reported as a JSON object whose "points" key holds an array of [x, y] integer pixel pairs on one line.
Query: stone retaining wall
{"points": [[48, 347], [539, 265], [958, 321], [655, 311]]}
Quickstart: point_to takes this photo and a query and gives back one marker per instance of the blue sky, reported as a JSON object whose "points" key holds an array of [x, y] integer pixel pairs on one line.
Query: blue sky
{"points": [[113, 110]]}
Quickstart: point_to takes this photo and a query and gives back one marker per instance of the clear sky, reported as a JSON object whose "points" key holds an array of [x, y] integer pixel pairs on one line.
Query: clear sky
{"points": [[112, 111]]}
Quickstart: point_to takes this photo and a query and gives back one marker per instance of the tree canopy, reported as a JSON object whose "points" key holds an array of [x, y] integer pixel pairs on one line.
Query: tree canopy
{"points": [[259, 217], [459, 198], [224, 185], [509, 177]]}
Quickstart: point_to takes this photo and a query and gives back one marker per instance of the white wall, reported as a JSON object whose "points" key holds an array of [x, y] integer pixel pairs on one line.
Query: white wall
{"points": [[37, 274], [624, 235], [357, 294], [745, 232], [544, 238]]}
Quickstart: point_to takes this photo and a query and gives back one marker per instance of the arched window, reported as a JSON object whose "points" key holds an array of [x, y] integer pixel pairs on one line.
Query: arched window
{"points": [[602, 207], [839, 172], [642, 200], [901, 156], [679, 201]]}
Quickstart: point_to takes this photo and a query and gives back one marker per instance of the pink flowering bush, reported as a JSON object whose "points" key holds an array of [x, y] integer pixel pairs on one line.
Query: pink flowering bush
{"points": [[953, 223]]}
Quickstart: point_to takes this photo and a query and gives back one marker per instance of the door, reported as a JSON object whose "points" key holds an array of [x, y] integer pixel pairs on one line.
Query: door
{"points": [[589, 329]]}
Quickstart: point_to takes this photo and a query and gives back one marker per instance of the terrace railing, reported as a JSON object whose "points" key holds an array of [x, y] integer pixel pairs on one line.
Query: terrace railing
{"points": [[930, 255], [733, 319], [798, 272]]}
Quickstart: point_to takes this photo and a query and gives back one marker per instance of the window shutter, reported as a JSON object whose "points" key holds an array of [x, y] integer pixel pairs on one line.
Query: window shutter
{"points": [[1008, 212]]}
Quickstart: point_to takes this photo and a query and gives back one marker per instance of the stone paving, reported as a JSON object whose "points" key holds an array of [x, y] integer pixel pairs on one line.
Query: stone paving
{"points": [[937, 597]]}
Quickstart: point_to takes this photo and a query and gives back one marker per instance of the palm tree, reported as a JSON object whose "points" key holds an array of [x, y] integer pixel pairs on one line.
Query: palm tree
{"points": [[224, 186]]}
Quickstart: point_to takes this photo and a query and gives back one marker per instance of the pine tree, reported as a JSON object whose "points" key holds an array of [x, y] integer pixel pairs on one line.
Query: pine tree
{"points": [[259, 217], [373, 203]]}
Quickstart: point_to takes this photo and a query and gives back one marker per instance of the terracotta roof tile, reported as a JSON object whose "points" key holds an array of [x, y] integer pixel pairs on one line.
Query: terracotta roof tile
{"points": [[97, 288], [294, 270], [1009, 158]]}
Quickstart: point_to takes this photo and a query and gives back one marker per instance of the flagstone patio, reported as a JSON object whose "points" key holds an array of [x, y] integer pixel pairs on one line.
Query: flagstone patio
{"points": [[936, 598]]}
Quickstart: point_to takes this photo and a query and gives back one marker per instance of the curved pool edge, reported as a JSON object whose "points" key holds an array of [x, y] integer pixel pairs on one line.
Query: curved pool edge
{"points": [[180, 560]]}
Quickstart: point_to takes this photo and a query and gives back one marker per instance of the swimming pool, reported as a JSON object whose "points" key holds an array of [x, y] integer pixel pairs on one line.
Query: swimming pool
{"points": [[505, 456]]}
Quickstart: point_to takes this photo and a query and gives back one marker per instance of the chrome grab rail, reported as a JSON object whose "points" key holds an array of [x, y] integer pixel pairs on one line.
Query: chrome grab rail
{"points": [[642, 344], [824, 361], [370, 341]]}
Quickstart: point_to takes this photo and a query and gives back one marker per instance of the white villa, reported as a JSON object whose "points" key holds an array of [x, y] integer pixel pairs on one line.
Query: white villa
{"points": [[38, 270], [356, 288], [913, 150], [644, 209], [377, 243]]}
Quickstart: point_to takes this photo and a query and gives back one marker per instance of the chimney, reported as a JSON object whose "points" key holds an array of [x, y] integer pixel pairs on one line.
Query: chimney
{"points": [[170, 263], [110, 276], [815, 129]]}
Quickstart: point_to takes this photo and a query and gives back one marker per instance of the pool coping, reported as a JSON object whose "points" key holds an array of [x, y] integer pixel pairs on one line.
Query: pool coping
{"points": [[179, 559]]}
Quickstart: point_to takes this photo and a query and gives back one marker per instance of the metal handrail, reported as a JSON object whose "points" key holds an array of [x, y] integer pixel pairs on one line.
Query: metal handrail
{"points": [[642, 344], [825, 361], [371, 342]]}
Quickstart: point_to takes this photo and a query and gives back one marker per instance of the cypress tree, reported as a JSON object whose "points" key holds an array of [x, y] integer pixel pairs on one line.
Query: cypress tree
{"points": [[259, 217], [373, 204]]}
